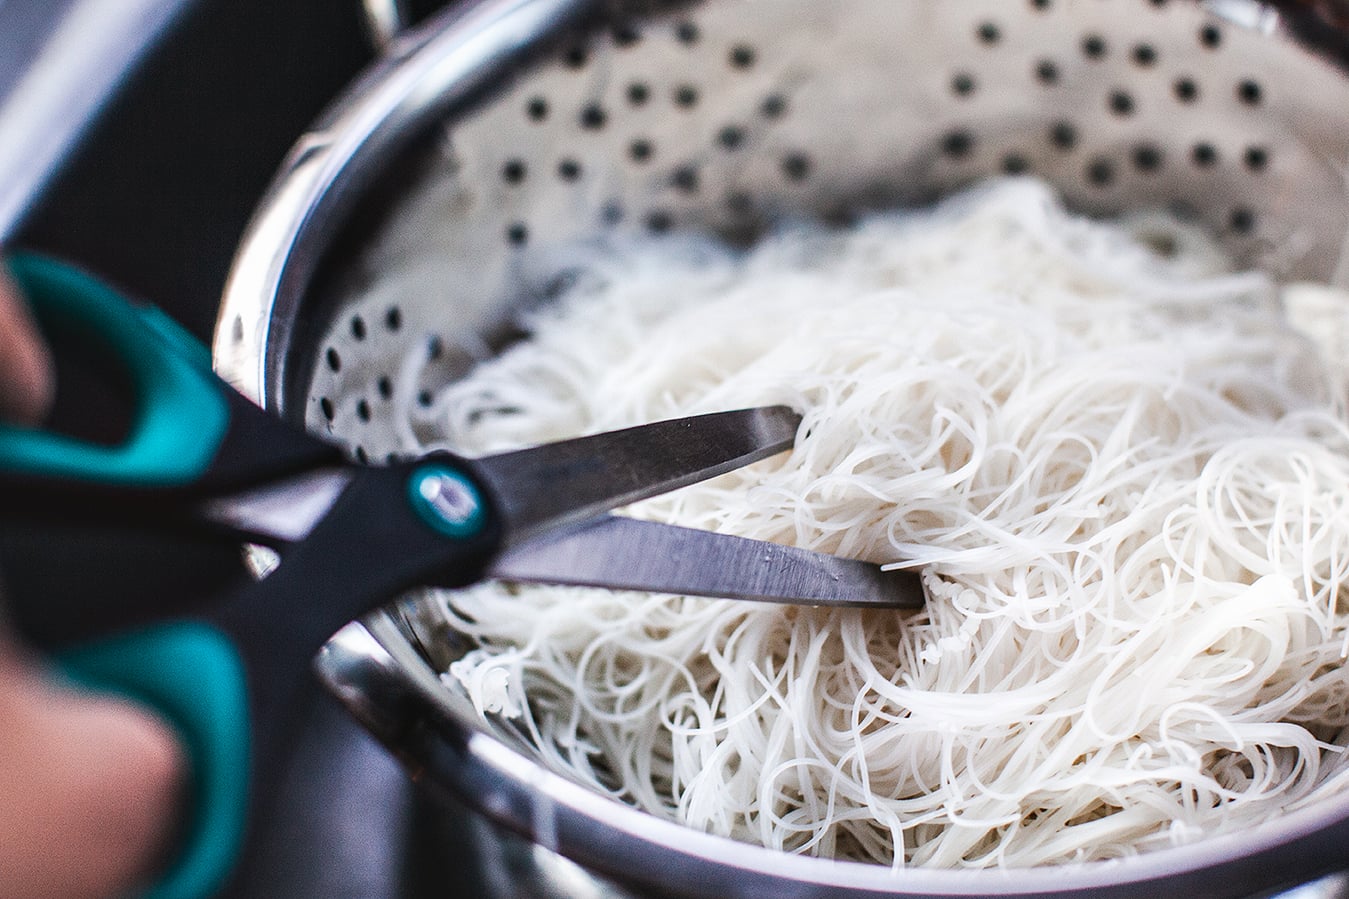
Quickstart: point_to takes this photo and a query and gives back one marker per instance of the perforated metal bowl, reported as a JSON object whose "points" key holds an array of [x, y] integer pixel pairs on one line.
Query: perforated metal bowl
{"points": [[431, 204]]}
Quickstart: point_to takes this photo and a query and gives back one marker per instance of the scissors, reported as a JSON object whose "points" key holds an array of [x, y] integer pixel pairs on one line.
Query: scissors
{"points": [[123, 552]]}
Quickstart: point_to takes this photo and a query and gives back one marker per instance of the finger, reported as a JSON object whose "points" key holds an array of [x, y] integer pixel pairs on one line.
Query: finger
{"points": [[92, 787], [27, 383]]}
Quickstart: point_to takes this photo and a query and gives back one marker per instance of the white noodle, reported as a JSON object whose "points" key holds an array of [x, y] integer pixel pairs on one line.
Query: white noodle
{"points": [[1125, 478]]}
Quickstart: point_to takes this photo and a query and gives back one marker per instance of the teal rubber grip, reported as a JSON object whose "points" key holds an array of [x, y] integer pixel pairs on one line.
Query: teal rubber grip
{"points": [[181, 413], [192, 675]]}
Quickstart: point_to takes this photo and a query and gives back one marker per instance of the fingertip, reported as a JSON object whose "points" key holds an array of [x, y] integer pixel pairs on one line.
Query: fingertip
{"points": [[27, 372]]}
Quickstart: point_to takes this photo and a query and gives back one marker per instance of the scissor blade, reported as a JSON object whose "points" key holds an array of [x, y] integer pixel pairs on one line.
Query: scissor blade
{"points": [[284, 512], [572, 480], [627, 554]]}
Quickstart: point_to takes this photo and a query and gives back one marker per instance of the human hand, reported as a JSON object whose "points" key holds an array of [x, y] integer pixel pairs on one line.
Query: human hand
{"points": [[90, 785]]}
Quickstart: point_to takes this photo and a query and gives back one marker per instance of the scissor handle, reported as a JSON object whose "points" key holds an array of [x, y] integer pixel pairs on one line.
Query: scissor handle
{"points": [[188, 434], [181, 417], [227, 675]]}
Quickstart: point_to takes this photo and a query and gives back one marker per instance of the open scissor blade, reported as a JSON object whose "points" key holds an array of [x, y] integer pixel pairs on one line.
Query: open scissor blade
{"points": [[546, 486], [573, 480], [626, 554]]}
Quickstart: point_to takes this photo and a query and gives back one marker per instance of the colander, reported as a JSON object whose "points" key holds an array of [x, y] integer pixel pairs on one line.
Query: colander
{"points": [[439, 196]]}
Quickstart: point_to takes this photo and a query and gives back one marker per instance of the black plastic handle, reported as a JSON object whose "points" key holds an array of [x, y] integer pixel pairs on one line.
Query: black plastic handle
{"points": [[103, 541]]}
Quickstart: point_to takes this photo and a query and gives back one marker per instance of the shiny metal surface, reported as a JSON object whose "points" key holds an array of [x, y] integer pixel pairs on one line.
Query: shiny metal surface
{"points": [[627, 554], [375, 669], [572, 480], [516, 139], [430, 73], [385, 20], [1332, 886], [288, 511], [550, 486]]}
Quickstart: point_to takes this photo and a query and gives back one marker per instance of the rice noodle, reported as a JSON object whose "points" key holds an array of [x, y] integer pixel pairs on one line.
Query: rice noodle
{"points": [[1124, 476]]}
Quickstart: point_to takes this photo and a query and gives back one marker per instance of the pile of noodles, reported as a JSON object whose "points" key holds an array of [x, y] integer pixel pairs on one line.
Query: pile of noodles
{"points": [[1123, 473]]}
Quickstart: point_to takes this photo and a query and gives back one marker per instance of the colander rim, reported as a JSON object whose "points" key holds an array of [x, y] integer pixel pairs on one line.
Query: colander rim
{"points": [[279, 254]]}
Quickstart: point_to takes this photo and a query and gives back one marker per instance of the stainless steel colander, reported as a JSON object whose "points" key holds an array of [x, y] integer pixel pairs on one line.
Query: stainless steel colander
{"points": [[439, 196]]}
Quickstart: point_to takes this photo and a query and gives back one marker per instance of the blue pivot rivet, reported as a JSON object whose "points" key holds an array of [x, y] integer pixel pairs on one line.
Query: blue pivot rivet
{"points": [[447, 501]]}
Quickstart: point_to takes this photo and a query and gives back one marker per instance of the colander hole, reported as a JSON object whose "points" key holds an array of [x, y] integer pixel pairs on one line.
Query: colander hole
{"points": [[1015, 164], [774, 106], [1204, 154], [1063, 135], [1186, 90], [988, 33], [424, 398], [358, 327], [1248, 92], [593, 117], [962, 84], [742, 56], [1256, 158], [537, 109], [1147, 157], [686, 33], [625, 34], [385, 387], [685, 179], [957, 144], [1121, 103], [1211, 36], [333, 359], [1242, 220], [435, 347], [1039, 4], [638, 93], [838, 215], [641, 150], [363, 409], [611, 213], [1046, 72], [659, 221], [575, 57], [1144, 55], [393, 318], [568, 169], [731, 137], [362, 456], [513, 172], [1163, 245], [326, 407], [517, 234], [686, 96], [1100, 172], [559, 284], [796, 166], [739, 202], [1094, 46]]}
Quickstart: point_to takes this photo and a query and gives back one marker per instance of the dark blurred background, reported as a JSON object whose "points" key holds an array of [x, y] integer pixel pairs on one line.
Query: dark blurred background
{"points": [[156, 193]]}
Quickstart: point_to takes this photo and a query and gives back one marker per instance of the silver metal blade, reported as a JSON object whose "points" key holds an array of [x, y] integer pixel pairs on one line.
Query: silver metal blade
{"points": [[572, 480], [284, 512], [627, 554]]}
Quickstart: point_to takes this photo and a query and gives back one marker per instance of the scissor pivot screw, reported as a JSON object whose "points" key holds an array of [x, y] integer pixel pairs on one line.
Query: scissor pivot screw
{"points": [[447, 501]]}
